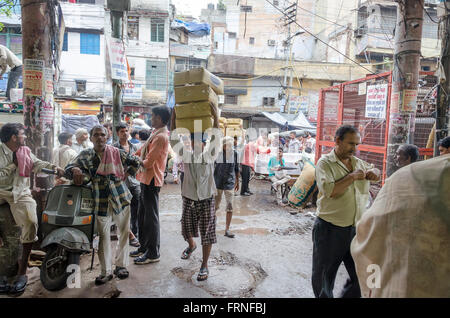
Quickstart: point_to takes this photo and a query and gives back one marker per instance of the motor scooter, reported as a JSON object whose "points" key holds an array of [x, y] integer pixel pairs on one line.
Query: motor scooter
{"points": [[67, 225]]}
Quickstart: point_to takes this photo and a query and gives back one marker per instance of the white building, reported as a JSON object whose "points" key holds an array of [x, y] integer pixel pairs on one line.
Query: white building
{"points": [[82, 63], [147, 47]]}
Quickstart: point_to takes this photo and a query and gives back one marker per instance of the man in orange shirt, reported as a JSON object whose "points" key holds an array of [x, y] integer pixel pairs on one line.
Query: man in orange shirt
{"points": [[151, 176]]}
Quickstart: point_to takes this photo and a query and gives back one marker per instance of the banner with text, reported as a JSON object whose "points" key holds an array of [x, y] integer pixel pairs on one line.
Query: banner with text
{"points": [[376, 97], [118, 59]]}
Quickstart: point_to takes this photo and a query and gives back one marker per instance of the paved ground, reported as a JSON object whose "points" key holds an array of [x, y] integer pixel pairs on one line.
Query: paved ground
{"points": [[270, 256]]}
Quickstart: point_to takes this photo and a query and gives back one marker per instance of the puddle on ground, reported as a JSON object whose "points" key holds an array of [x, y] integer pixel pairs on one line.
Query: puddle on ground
{"points": [[229, 276], [239, 212], [233, 221], [249, 231]]}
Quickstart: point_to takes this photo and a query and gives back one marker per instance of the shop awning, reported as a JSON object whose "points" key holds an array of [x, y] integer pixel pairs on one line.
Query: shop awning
{"points": [[299, 122], [76, 107]]}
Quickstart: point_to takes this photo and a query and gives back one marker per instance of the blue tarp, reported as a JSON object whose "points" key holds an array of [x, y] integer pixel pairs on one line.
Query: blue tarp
{"points": [[70, 123], [193, 28]]}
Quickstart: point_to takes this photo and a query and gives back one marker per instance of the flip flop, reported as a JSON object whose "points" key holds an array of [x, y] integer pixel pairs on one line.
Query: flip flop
{"points": [[187, 252], [203, 274], [102, 279], [18, 287], [121, 272]]}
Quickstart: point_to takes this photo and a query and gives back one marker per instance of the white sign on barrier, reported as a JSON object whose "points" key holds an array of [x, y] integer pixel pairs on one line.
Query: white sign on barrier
{"points": [[376, 98]]}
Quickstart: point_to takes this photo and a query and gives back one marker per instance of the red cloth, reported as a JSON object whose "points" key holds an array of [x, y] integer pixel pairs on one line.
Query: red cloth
{"points": [[111, 163], [23, 155]]}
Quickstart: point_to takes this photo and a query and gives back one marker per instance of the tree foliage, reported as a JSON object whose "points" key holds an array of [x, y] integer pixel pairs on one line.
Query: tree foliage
{"points": [[6, 8]]}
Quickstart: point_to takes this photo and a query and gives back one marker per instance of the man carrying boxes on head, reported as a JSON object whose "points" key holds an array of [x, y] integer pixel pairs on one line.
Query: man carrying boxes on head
{"points": [[196, 111]]}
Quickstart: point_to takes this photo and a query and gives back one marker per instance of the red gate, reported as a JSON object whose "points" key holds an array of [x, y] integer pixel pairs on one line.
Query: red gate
{"points": [[345, 104]]}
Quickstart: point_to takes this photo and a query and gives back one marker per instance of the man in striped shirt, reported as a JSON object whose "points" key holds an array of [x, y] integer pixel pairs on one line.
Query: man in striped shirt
{"points": [[112, 201]]}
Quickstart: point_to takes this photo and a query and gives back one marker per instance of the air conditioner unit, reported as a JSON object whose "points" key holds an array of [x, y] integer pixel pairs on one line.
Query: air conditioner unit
{"points": [[64, 91], [180, 67], [271, 42]]}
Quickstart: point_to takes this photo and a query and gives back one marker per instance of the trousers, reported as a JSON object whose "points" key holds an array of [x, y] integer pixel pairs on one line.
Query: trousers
{"points": [[245, 178], [136, 192], [331, 247], [122, 221], [148, 220], [13, 78]]}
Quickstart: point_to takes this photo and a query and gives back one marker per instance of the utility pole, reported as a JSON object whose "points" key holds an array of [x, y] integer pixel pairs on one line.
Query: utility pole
{"points": [[405, 77], [443, 100], [40, 40], [290, 16], [117, 8]]}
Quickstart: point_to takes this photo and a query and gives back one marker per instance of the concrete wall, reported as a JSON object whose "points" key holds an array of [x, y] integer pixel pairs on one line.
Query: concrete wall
{"points": [[154, 5], [262, 24]]}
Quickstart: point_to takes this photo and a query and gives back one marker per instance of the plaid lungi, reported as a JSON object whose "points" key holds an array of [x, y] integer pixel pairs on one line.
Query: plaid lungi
{"points": [[199, 214]]}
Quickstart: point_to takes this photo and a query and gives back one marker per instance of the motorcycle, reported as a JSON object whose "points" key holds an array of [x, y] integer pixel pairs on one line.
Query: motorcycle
{"points": [[68, 231]]}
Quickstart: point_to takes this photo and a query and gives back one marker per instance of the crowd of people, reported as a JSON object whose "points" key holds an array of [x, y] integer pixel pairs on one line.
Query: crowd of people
{"points": [[126, 178]]}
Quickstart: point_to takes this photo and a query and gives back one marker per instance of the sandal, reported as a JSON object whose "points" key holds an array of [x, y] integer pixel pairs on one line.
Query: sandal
{"points": [[229, 234], [102, 279], [19, 285], [187, 252], [121, 272], [203, 274]]}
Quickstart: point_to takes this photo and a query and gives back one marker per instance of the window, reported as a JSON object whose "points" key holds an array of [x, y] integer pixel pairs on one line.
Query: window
{"points": [[231, 99], [133, 28], [65, 46], [216, 45], [157, 30], [86, 1], [156, 75], [132, 71], [246, 8], [275, 3], [81, 86], [232, 35], [268, 101], [252, 41], [90, 43], [194, 63]]}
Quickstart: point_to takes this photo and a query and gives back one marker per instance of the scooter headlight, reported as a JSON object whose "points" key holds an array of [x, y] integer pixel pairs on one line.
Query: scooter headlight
{"points": [[87, 220]]}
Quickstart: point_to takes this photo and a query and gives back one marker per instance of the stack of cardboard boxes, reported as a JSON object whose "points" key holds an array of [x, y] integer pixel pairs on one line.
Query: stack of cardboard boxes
{"points": [[196, 100], [234, 127], [231, 126]]}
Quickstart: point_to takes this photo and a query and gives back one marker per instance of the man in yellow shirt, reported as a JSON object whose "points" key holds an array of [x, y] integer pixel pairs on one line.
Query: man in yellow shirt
{"points": [[343, 181]]}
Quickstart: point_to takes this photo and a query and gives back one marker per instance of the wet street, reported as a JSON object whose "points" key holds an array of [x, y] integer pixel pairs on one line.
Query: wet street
{"points": [[271, 256]]}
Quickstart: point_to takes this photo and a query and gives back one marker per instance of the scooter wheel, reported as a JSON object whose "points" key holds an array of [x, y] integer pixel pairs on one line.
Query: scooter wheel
{"points": [[54, 274]]}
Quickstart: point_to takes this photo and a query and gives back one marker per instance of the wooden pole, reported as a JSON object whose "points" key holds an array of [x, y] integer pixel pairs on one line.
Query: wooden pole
{"points": [[408, 37], [38, 33]]}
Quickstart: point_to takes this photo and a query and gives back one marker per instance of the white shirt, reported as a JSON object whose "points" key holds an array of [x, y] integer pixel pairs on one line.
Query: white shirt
{"points": [[294, 146], [79, 148], [10, 180], [406, 234], [8, 58], [63, 155]]}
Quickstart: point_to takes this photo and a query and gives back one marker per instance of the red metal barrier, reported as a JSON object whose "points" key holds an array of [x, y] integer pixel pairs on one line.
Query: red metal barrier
{"points": [[346, 104]]}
